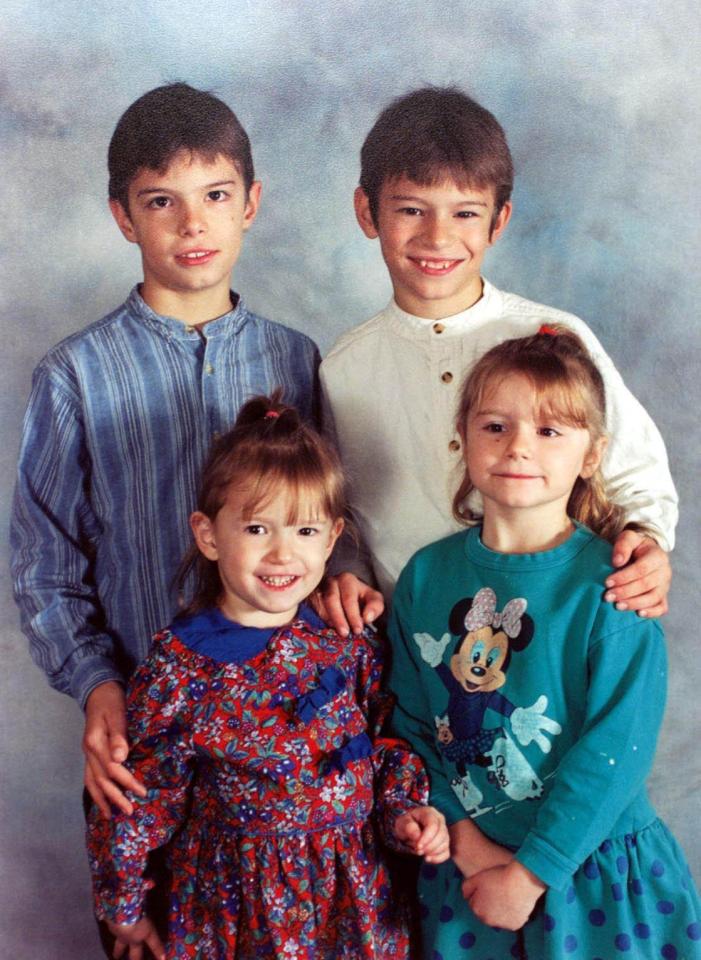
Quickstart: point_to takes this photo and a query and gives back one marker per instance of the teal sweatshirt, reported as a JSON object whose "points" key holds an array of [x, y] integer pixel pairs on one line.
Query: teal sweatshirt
{"points": [[535, 704]]}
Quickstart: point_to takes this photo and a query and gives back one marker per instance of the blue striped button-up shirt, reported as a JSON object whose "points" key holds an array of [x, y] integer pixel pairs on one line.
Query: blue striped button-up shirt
{"points": [[120, 419]]}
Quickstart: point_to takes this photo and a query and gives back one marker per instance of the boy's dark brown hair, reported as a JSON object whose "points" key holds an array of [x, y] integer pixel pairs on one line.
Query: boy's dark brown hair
{"points": [[269, 450], [432, 134], [569, 387], [166, 120]]}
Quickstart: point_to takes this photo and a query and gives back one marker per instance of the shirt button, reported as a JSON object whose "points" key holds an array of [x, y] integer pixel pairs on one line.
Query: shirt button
{"points": [[209, 369], [454, 445], [447, 377], [438, 327], [189, 329]]}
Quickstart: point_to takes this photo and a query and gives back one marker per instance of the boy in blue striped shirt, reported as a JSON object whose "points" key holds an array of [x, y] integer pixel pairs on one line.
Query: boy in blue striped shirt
{"points": [[122, 414]]}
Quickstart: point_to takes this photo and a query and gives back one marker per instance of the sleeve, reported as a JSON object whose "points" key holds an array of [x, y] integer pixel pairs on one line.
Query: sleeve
{"points": [[635, 468], [400, 779], [350, 553], [605, 770], [412, 714], [160, 701], [53, 534]]}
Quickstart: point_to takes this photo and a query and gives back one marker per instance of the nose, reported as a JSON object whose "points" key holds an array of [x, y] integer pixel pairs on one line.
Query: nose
{"points": [[437, 230], [192, 220], [280, 550], [519, 445]]}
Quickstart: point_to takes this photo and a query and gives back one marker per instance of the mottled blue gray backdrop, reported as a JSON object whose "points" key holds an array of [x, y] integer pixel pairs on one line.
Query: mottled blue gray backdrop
{"points": [[600, 102]]}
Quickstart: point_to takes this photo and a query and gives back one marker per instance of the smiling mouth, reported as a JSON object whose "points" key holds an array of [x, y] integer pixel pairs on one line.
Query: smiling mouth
{"points": [[435, 267], [195, 257], [279, 583]]}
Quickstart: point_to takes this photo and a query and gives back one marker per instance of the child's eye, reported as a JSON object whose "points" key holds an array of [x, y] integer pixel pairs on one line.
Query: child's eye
{"points": [[548, 432], [412, 211], [494, 427], [307, 531], [255, 529], [466, 214], [218, 195], [158, 203]]}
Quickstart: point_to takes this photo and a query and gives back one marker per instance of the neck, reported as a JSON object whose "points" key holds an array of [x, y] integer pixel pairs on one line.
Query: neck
{"points": [[440, 309], [196, 308], [524, 531]]}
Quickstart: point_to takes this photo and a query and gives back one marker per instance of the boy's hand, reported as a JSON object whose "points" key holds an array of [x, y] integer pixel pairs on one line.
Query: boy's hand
{"points": [[503, 896], [105, 747], [472, 851], [346, 602], [643, 583], [133, 937], [423, 830]]}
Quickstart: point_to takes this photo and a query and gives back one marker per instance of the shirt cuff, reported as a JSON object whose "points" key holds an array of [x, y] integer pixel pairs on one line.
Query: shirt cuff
{"points": [[547, 863], [89, 673]]}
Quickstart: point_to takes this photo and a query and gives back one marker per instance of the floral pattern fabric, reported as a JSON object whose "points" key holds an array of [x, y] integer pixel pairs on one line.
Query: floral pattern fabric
{"points": [[274, 790]]}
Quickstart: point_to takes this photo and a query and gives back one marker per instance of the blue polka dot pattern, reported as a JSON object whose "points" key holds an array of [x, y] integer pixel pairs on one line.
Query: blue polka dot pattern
{"points": [[446, 914], [467, 940], [570, 895], [665, 906], [622, 865], [693, 931], [591, 871], [669, 952], [548, 923], [605, 846], [641, 931], [657, 869], [637, 887], [597, 918], [617, 891], [623, 942], [570, 943]]}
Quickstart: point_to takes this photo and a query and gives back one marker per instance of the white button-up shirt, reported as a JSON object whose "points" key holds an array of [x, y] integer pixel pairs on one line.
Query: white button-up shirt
{"points": [[391, 386]]}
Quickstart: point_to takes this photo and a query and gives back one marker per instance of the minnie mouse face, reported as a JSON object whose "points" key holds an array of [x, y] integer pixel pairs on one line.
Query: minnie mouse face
{"points": [[478, 661], [482, 657]]}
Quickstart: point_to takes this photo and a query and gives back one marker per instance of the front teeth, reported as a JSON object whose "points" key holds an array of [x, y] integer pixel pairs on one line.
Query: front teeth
{"points": [[436, 264], [278, 581], [196, 256]]}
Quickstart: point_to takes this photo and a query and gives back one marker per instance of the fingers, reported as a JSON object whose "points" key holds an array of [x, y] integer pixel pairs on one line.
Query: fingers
{"points": [[97, 795], [153, 942], [625, 544], [120, 949], [333, 606]]}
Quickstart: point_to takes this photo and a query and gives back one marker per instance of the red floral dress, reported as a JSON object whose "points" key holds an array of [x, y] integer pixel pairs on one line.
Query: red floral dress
{"points": [[273, 790]]}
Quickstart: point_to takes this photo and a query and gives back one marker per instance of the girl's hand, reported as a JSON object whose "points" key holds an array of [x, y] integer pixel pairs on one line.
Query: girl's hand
{"points": [[346, 602], [472, 851], [644, 580], [423, 830], [503, 896], [133, 937]]}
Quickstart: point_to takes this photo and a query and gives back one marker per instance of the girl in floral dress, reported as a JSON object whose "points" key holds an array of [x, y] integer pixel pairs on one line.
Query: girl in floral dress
{"points": [[256, 731]]}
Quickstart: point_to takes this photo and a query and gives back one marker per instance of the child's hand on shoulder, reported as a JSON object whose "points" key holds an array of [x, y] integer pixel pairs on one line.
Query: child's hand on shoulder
{"points": [[347, 603], [424, 832], [503, 896], [133, 937], [644, 576]]}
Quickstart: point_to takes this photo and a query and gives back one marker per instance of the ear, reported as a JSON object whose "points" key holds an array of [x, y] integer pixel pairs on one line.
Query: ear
{"points": [[336, 531], [500, 223], [593, 458], [123, 220], [363, 214], [252, 204], [456, 622], [203, 531], [525, 633]]}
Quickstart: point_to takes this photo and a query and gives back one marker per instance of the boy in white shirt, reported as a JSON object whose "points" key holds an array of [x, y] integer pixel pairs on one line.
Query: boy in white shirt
{"points": [[435, 187]]}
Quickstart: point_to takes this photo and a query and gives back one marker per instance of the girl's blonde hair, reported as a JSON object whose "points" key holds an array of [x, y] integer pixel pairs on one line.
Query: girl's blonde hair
{"points": [[268, 449], [568, 385]]}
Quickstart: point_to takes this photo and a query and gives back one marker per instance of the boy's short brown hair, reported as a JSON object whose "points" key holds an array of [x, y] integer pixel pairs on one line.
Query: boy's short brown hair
{"points": [[432, 134], [167, 120]]}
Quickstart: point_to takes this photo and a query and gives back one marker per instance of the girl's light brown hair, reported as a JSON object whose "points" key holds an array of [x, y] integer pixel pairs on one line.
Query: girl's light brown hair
{"points": [[568, 386], [269, 450]]}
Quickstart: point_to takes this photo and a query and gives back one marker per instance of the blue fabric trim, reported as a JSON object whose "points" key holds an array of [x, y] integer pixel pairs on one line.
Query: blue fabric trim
{"points": [[331, 682], [356, 748]]}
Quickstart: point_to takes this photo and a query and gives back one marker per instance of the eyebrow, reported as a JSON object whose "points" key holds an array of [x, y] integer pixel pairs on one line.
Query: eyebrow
{"points": [[207, 186], [459, 203]]}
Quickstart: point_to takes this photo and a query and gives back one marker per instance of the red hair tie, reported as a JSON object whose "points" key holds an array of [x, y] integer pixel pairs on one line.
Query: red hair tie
{"points": [[547, 331], [272, 414]]}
